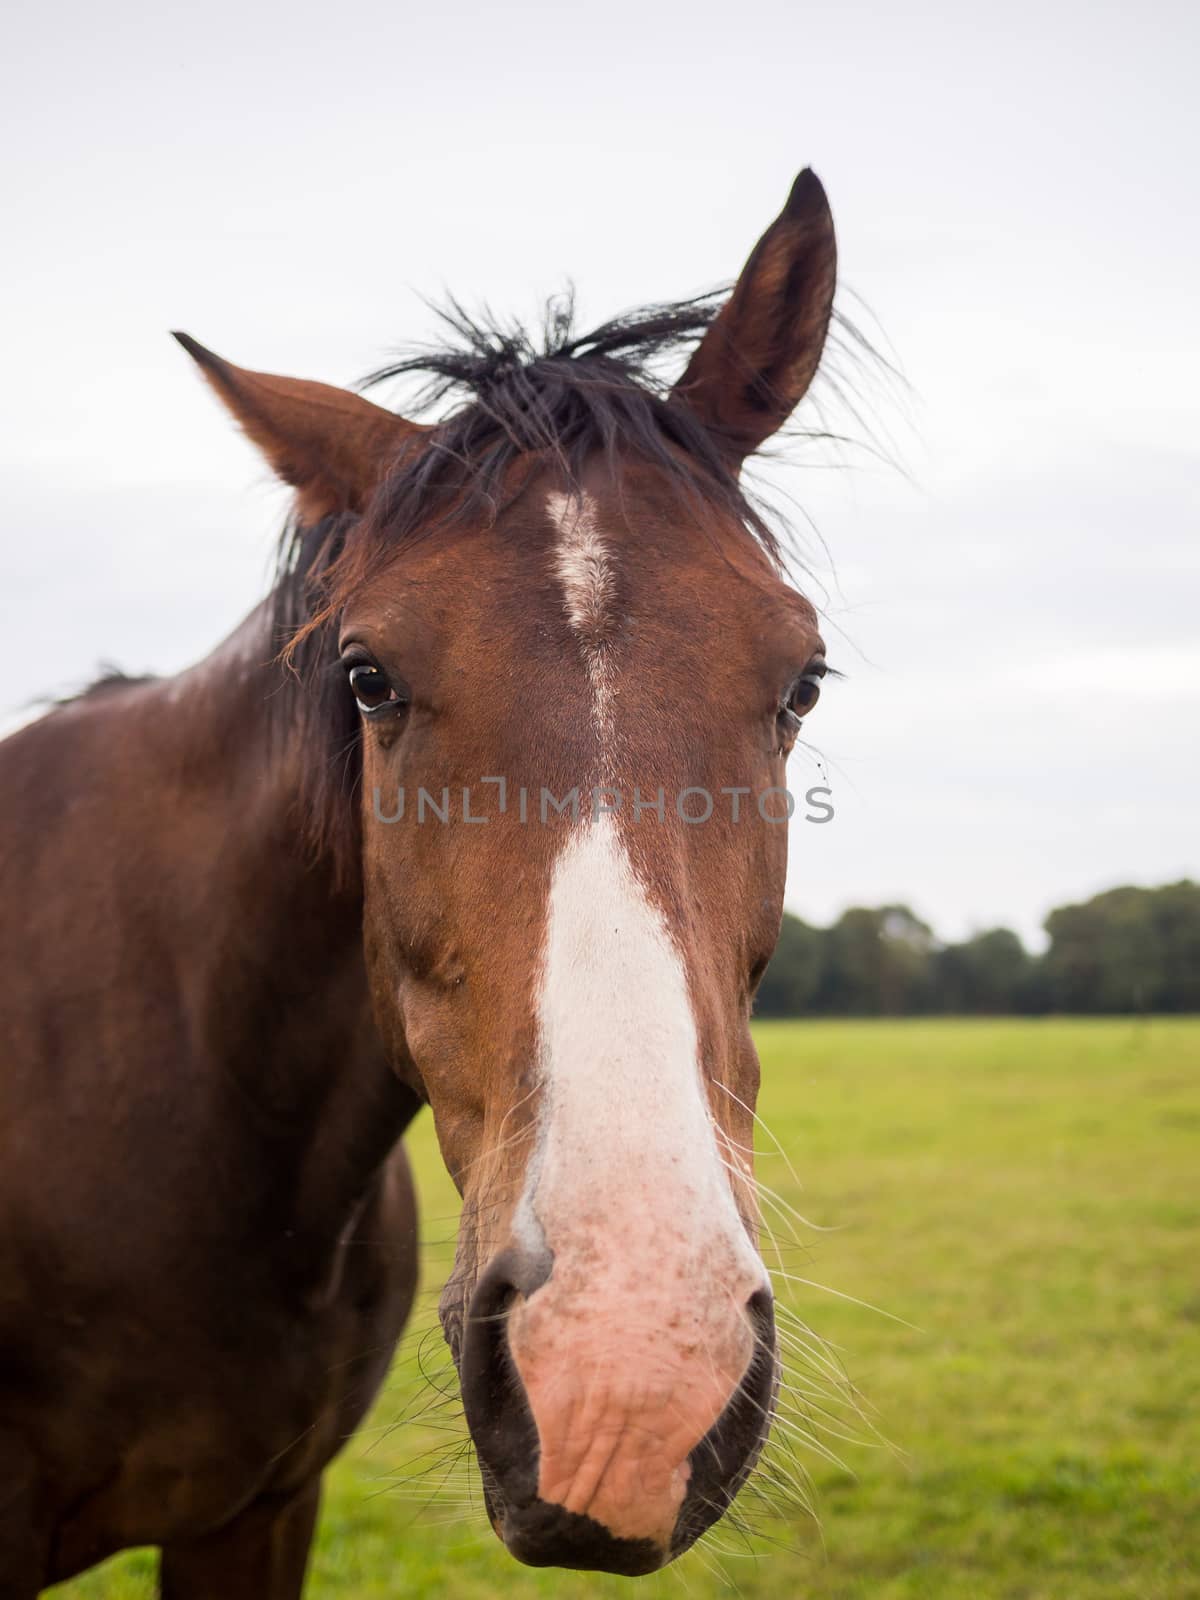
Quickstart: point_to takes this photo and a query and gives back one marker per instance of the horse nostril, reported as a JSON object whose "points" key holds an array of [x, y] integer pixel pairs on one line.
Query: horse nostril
{"points": [[761, 1310], [729, 1451], [498, 1413]]}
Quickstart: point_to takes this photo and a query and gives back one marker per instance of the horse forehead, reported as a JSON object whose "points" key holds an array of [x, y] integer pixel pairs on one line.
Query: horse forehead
{"points": [[622, 567], [615, 550]]}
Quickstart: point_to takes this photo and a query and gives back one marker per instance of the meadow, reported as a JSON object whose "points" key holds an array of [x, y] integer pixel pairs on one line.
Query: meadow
{"points": [[1018, 1418]]}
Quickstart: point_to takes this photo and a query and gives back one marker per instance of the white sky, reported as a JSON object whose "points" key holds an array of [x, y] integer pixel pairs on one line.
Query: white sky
{"points": [[1016, 200]]}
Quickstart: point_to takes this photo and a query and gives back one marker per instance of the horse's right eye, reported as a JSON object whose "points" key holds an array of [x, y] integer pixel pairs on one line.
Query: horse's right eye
{"points": [[806, 690], [371, 688]]}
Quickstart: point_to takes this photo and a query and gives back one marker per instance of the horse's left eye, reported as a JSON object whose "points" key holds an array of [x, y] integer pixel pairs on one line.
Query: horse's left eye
{"points": [[806, 691], [371, 688]]}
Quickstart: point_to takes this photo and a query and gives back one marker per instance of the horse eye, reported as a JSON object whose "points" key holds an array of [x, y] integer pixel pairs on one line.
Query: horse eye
{"points": [[806, 691], [371, 688]]}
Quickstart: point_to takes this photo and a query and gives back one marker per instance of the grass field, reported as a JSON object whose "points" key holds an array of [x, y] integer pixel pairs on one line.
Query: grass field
{"points": [[1027, 1196]]}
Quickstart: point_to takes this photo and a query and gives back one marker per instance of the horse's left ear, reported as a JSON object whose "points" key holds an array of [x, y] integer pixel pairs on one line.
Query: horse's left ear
{"points": [[755, 363], [332, 446]]}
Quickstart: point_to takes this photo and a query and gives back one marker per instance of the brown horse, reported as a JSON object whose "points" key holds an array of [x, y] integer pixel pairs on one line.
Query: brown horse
{"points": [[500, 834]]}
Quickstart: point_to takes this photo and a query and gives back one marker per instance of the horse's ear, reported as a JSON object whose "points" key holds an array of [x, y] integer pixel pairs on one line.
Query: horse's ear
{"points": [[332, 446], [756, 361]]}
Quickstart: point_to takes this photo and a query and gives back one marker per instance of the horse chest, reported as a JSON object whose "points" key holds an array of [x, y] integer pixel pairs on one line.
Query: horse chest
{"points": [[201, 1451], [191, 1418]]}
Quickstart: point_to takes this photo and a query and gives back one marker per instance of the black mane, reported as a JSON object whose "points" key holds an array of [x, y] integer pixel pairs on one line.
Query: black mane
{"points": [[565, 395], [568, 396]]}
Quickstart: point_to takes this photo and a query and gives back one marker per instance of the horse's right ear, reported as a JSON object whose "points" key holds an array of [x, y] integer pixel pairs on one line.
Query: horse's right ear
{"points": [[758, 358], [332, 446]]}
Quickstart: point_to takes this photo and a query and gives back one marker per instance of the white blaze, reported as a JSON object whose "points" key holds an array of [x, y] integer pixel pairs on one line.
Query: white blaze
{"points": [[582, 560], [584, 567], [626, 1138]]}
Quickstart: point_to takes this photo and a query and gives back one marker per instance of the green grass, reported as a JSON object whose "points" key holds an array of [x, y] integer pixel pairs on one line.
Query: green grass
{"points": [[1027, 1194]]}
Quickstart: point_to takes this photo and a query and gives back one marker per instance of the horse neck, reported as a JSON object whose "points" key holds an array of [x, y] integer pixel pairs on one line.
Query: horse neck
{"points": [[280, 993]]}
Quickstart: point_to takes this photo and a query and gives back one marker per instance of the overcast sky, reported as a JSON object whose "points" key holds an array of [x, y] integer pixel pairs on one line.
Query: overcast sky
{"points": [[1015, 192]]}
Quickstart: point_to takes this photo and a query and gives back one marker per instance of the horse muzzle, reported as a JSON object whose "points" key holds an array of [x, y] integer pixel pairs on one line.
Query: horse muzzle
{"points": [[609, 1440]]}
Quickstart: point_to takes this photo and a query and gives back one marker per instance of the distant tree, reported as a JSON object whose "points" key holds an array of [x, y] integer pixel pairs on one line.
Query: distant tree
{"points": [[789, 985], [987, 974], [1176, 920], [878, 962], [1126, 950]]}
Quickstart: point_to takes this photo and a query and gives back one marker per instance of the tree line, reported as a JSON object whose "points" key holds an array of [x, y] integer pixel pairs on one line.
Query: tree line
{"points": [[1128, 950]]}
